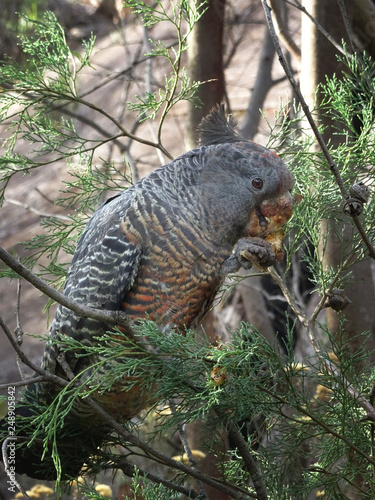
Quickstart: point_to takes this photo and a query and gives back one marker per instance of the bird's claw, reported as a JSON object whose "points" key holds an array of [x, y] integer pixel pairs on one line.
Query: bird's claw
{"points": [[249, 252]]}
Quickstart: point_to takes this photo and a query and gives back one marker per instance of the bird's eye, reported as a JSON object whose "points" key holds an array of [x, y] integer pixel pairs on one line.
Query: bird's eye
{"points": [[257, 183]]}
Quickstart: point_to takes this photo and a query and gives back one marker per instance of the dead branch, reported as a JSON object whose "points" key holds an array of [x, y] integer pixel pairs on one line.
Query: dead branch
{"points": [[325, 33], [283, 30], [8, 469], [35, 210]]}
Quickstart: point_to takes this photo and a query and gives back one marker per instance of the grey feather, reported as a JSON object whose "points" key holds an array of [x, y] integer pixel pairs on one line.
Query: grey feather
{"points": [[217, 128]]}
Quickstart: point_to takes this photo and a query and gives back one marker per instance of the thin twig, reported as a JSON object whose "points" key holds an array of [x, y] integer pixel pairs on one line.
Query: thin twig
{"points": [[148, 87], [133, 439], [90, 150], [310, 326], [22, 383], [323, 299], [313, 416], [235, 44], [320, 28], [44, 196], [88, 121], [185, 443], [331, 163], [8, 469], [333, 475], [348, 27], [123, 72], [125, 133], [229, 490], [129, 470], [292, 301], [18, 331], [364, 236], [46, 375], [363, 402], [301, 99], [284, 31], [35, 210], [249, 460]]}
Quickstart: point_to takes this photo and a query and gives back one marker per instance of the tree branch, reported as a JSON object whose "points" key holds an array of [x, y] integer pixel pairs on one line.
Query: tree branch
{"points": [[129, 470], [320, 28], [22, 383], [140, 444], [309, 324], [46, 375], [249, 460], [8, 470], [113, 318], [228, 489], [149, 450], [283, 30]]}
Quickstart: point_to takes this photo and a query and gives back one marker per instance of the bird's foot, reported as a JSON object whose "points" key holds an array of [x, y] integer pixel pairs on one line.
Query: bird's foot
{"points": [[249, 252]]}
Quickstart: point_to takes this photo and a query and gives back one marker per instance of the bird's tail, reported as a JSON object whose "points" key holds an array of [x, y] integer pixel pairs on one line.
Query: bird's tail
{"points": [[60, 453]]}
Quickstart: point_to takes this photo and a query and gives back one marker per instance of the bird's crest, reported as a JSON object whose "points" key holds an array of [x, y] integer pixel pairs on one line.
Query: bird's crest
{"points": [[217, 128]]}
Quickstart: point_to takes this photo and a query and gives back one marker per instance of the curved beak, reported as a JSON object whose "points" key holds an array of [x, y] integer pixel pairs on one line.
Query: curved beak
{"points": [[267, 220]]}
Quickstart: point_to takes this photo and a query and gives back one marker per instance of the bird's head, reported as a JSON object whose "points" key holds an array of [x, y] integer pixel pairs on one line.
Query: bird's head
{"points": [[249, 185]]}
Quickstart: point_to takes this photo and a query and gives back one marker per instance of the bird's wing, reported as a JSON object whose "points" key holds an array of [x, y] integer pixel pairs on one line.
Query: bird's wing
{"points": [[103, 269], [106, 259]]}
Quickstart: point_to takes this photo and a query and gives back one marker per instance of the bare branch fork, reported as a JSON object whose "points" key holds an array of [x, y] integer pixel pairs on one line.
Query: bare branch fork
{"points": [[309, 324], [331, 162]]}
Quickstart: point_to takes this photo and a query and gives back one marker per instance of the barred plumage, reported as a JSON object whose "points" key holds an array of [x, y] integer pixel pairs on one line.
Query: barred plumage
{"points": [[162, 248]]}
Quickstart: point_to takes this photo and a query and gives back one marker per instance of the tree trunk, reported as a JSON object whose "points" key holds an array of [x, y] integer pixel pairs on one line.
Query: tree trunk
{"points": [[9, 28], [262, 85], [205, 56]]}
